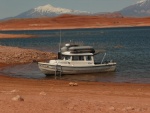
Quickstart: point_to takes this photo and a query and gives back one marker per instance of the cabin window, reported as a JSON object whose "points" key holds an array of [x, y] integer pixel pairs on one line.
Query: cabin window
{"points": [[75, 57], [88, 58], [81, 58], [63, 57], [67, 57]]}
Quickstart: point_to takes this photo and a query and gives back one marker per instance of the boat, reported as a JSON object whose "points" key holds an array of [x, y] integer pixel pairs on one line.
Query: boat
{"points": [[76, 59]]}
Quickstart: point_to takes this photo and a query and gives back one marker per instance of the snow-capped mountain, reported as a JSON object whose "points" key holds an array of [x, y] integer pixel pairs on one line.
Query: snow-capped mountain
{"points": [[140, 9], [48, 11]]}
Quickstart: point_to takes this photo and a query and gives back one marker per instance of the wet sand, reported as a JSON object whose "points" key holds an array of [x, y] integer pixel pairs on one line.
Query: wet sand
{"points": [[57, 96]]}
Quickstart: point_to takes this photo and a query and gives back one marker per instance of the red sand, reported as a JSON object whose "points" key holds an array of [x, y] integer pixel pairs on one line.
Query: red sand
{"points": [[56, 96]]}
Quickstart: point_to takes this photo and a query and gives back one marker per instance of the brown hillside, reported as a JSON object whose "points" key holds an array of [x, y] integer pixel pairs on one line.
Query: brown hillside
{"points": [[72, 21]]}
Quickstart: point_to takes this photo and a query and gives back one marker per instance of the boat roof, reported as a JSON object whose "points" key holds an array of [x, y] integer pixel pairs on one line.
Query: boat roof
{"points": [[75, 54], [80, 47], [75, 50]]}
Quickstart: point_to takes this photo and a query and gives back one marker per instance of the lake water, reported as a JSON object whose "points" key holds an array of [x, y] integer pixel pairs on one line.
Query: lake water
{"points": [[129, 47]]}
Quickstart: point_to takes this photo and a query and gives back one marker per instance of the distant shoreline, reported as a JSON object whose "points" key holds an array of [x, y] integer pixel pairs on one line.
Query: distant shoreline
{"points": [[3, 35], [16, 36], [73, 28], [72, 22]]}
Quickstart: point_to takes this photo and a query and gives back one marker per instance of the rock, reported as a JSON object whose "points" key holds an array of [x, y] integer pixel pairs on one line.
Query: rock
{"points": [[73, 84], [13, 91], [128, 109], [42, 93], [112, 108], [138, 110], [17, 98]]}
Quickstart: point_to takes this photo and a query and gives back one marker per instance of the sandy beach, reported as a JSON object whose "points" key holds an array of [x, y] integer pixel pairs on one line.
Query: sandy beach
{"points": [[20, 95], [56, 96]]}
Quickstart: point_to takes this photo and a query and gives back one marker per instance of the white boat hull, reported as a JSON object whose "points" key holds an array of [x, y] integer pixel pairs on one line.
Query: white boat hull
{"points": [[49, 69]]}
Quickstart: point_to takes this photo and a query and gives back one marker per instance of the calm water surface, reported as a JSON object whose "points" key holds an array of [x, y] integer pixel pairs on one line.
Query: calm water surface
{"points": [[129, 47]]}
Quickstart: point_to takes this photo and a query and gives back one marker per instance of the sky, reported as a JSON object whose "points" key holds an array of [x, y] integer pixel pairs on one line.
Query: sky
{"points": [[10, 8]]}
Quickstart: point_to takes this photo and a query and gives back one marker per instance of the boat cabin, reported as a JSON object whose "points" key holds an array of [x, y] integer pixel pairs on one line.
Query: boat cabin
{"points": [[78, 59], [76, 55]]}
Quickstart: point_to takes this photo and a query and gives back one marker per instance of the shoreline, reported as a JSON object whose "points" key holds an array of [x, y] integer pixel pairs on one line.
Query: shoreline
{"points": [[3, 65], [8, 36], [2, 36]]}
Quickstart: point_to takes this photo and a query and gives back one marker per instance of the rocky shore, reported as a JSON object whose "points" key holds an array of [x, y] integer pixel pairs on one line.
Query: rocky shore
{"points": [[15, 55]]}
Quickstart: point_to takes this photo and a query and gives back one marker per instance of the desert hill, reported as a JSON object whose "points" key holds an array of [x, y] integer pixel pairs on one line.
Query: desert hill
{"points": [[72, 21]]}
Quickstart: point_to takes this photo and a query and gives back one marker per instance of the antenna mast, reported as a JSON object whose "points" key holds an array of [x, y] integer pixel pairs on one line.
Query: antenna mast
{"points": [[60, 41]]}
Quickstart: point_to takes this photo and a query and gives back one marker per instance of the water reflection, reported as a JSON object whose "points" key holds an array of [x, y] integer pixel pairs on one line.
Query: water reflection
{"points": [[32, 71], [103, 77]]}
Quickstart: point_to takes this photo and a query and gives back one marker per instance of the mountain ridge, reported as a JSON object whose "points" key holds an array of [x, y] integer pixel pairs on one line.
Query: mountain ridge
{"points": [[49, 11], [140, 9]]}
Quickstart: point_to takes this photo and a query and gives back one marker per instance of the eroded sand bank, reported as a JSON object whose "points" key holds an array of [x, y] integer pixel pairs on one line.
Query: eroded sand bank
{"points": [[16, 36]]}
